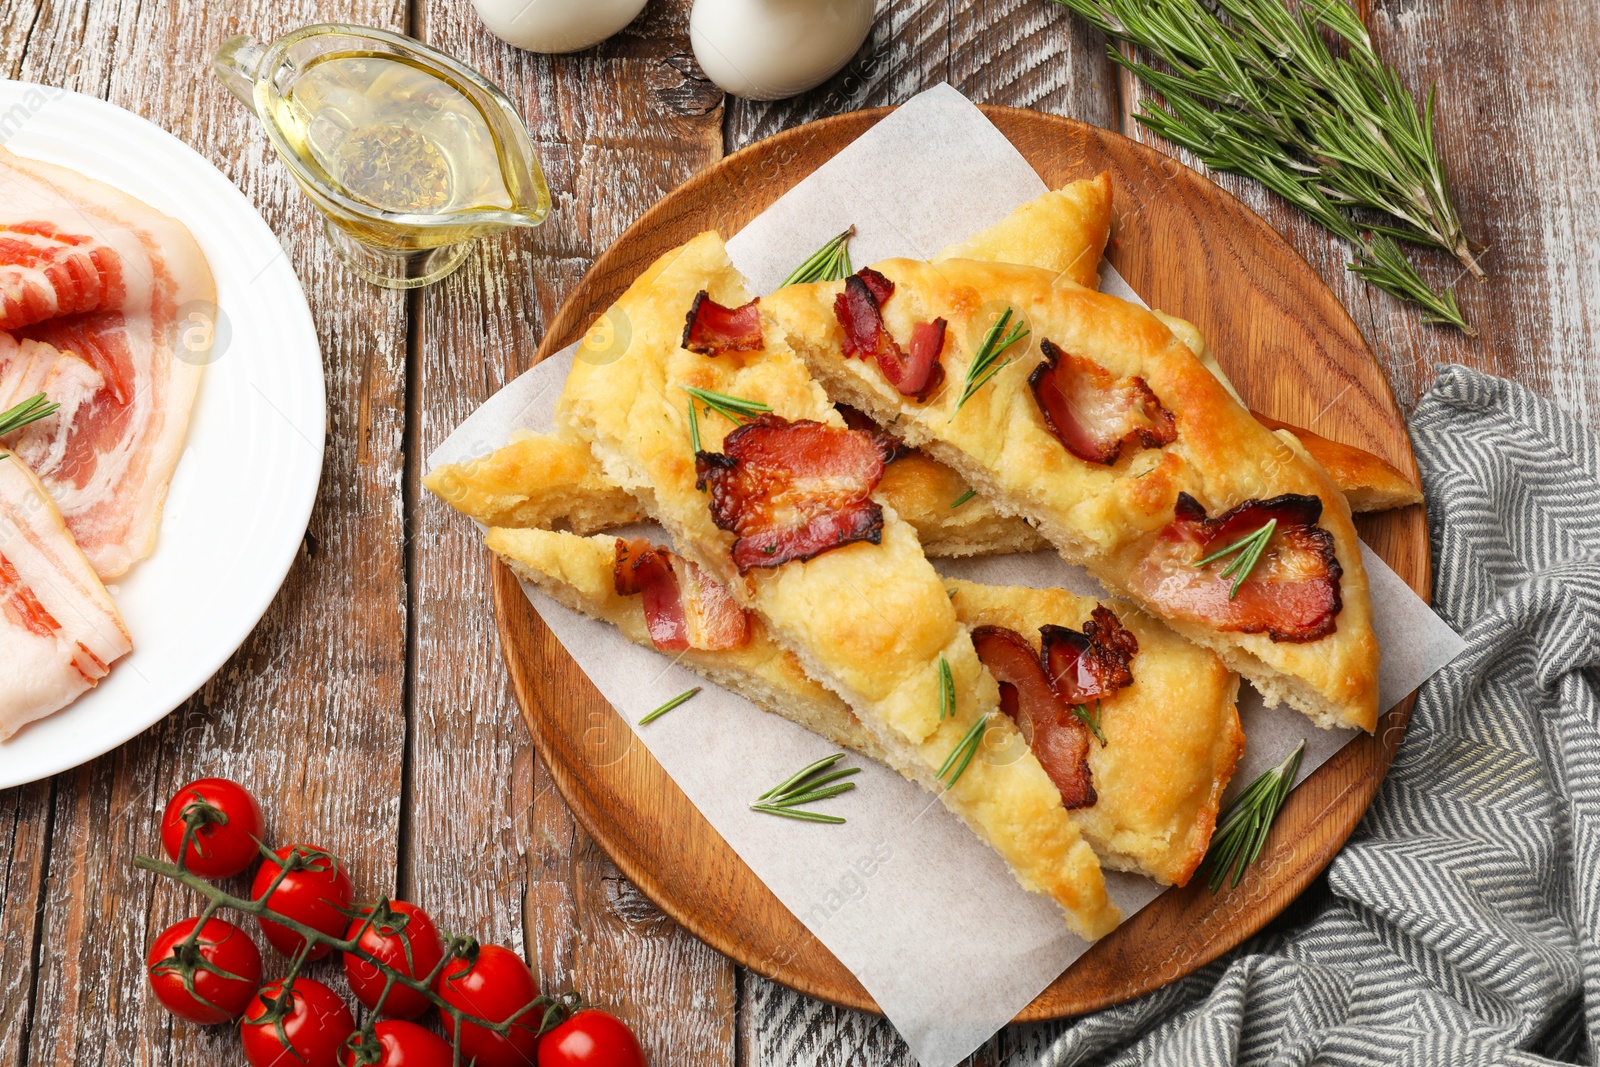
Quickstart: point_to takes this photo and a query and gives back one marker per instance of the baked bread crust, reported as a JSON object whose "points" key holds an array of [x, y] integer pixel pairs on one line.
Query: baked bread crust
{"points": [[1105, 518], [1172, 738], [870, 621], [1064, 230]]}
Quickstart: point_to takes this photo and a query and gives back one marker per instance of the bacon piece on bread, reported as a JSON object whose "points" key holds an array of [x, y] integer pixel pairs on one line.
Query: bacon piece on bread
{"points": [[643, 569], [1058, 738], [1291, 594], [859, 310], [793, 490], [1090, 665], [1094, 414], [711, 329]]}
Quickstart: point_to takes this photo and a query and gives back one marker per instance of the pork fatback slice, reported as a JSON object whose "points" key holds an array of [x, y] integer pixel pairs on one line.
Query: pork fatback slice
{"points": [[90, 272], [59, 630]]}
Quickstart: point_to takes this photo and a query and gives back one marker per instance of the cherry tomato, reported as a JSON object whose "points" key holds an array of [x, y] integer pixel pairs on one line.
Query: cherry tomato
{"points": [[495, 987], [402, 936], [212, 997], [314, 893], [315, 1022], [591, 1038], [398, 1044], [227, 824]]}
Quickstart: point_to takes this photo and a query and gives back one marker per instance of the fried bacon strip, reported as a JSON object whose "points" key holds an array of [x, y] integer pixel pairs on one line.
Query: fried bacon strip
{"points": [[711, 329], [1090, 665], [1291, 594], [642, 568], [1057, 737], [1094, 414], [859, 310], [793, 490], [698, 613]]}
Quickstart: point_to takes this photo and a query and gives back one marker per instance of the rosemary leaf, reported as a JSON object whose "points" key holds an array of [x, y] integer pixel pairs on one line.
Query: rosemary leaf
{"points": [[1243, 825], [1295, 97], [735, 409], [796, 813], [807, 797], [963, 498], [829, 263], [669, 705], [694, 427], [1091, 720], [31, 410], [1249, 549], [788, 784], [986, 361], [947, 689], [955, 764]]}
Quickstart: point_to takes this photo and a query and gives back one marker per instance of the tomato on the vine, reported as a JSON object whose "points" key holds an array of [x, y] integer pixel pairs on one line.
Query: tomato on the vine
{"points": [[591, 1038], [227, 827], [223, 969], [315, 892], [397, 1044], [314, 1022], [402, 936], [495, 986]]}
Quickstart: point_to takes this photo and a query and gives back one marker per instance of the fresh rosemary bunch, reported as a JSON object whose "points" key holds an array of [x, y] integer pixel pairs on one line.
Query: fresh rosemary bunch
{"points": [[1254, 87], [1242, 827]]}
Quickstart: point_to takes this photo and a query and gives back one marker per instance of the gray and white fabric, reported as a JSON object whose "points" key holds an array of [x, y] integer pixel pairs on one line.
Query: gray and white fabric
{"points": [[1461, 923]]}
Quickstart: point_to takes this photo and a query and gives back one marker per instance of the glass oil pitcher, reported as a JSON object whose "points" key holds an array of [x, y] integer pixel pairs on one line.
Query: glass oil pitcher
{"points": [[409, 155]]}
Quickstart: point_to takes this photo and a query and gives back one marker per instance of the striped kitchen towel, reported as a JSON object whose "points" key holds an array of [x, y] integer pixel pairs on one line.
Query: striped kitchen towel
{"points": [[1461, 925]]}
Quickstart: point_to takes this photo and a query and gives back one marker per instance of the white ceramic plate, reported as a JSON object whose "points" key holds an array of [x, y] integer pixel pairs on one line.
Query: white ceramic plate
{"points": [[243, 490]]}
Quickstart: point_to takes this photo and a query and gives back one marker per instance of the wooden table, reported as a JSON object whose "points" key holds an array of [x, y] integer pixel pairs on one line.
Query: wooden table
{"points": [[370, 709]]}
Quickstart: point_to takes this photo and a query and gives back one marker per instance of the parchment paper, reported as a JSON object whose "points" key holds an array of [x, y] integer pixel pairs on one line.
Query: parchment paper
{"points": [[921, 911]]}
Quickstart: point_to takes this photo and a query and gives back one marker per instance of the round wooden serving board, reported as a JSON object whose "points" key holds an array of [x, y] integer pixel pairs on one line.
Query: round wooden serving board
{"points": [[1190, 249]]}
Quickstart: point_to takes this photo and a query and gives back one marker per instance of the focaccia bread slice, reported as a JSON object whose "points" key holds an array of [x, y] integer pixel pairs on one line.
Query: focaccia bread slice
{"points": [[1163, 462], [1172, 737], [866, 614], [1064, 230]]}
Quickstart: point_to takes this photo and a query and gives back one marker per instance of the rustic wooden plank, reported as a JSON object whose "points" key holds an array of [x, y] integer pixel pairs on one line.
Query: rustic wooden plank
{"points": [[617, 127], [1025, 53], [24, 830], [308, 713]]}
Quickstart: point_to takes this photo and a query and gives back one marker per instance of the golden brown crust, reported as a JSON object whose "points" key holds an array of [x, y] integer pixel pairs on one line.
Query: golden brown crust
{"points": [[870, 621], [538, 481], [1368, 482], [1102, 517], [1063, 231]]}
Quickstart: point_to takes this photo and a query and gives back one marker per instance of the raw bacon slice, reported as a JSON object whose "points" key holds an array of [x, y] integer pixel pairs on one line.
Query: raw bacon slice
{"points": [[1094, 414], [711, 329], [642, 568], [109, 291], [695, 613], [1057, 737], [1291, 594], [859, 310], [1089, 665], [46, 273], [59, 630], [793, 490]]}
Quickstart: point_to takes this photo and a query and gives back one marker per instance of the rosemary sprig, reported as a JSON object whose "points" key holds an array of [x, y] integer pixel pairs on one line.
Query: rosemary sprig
{"points": [[947, 689], [735, 409], [1260, 88], [1091, 720], [1249, 547], [955, 764], [36, 407], [963, 498], [681, 698], [829, 263], [986, 362], [810, 783], [1243, 825]]}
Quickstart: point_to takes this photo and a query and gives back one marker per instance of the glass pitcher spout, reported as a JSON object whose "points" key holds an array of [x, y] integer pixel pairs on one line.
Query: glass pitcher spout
{"points": [[409, 154]]}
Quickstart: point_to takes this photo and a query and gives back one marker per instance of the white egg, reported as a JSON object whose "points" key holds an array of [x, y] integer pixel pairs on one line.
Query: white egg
{"points": [[769, 49], [556, 25]]}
